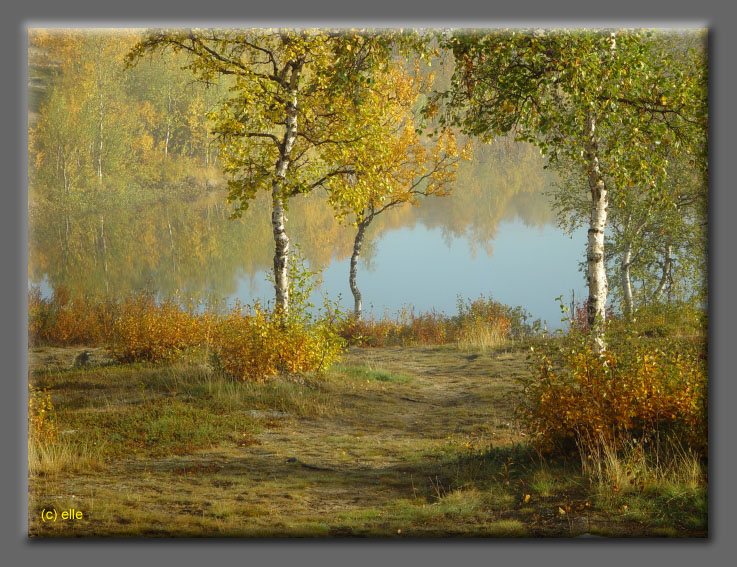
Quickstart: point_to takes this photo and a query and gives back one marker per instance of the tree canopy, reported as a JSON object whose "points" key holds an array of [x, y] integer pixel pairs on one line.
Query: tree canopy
{"points": [[300, 100], [615, 104]]}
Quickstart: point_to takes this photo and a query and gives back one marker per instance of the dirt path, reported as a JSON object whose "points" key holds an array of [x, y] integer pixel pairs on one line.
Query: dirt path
{"points": [[450, 393], [389, 443], [395, 444], [352, 470]]}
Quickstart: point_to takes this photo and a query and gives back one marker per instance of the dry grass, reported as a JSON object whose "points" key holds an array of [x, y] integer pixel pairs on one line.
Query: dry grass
{"points": [[63, 456], [481, 336], [393, 442], [635, 468]]}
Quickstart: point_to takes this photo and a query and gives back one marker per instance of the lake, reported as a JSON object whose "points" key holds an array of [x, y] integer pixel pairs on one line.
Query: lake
{"points": [[494, 235], [420, 267]]}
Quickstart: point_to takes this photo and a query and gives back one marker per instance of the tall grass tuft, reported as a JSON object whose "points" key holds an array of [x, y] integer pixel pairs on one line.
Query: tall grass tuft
{"points": [[634, 466], [480, 335], [62, 456]]}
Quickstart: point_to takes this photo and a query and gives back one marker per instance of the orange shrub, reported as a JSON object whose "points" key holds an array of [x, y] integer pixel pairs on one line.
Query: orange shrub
{"points": [[634, 391], [484, 312], [64, 320], [428, 329], [260, 344], [153, 332], [369, 333]]}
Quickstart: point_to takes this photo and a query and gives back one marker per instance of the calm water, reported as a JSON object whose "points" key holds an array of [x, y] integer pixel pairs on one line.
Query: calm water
{"points": [[419, 266], [495, 235]]}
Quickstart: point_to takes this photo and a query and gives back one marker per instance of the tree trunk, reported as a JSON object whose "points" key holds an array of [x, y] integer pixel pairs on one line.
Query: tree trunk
{"points": [[278, 198], [171, 243], [357, 244], [100, 134], [667, 264], [627, 281], [281, 251], [67, 183], [207, 147], [596, 271]]}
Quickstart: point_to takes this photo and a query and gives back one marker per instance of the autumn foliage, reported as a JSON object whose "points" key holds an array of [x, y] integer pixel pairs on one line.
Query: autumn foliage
{"points": [[639, 391], [41, 426], [65, 320], [154, 332], [250, 343], [258, 344], [479, 322]]}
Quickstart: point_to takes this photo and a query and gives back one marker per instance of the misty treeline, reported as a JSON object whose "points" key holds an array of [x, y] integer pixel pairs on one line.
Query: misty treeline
{"points": [[97, 127]]}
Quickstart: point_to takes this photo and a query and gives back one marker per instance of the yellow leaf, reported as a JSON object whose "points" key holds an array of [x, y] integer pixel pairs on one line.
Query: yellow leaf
{"points": [[527, 498], [561, 511]]}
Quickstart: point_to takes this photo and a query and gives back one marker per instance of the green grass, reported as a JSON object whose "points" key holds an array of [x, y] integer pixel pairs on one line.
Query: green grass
{"points": [[371, 374], [394, 442]]}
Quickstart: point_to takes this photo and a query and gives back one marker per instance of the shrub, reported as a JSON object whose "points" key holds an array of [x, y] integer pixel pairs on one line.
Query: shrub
{"points": [[482, 322], [634, 391], [41, 426], [367, 332], [429, 329], [38, 314], [65, 320], [260, 343], [660, 319], [153, 332], [579, 318], [479, 323], [405, 329]]}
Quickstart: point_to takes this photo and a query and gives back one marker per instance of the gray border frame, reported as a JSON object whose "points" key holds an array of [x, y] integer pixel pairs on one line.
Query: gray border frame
{"points": [[717, 15]]}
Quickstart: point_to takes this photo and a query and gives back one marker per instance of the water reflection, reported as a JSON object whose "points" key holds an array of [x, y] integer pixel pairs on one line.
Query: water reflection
{"points": [[493, 235]]}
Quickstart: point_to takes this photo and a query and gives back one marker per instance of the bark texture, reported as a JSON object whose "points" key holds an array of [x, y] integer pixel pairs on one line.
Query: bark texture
{"points": [[357, 244], [596, 271], [281, 251], [278, 218], [666, 273]]}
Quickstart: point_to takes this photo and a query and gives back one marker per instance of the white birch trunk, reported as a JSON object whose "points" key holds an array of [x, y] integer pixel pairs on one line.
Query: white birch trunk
{"points": [[99, 148], [104, 254], [168, 121], [171, 244], [596, 271], [357, 244], [281, 251], [67, 184], [281, 240], [207, 147]]}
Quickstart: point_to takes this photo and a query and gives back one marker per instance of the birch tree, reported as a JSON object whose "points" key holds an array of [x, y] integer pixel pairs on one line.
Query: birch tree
{"points": [[292, 91], [413, 171], [607, 101], [393, 165], [653, 242]]}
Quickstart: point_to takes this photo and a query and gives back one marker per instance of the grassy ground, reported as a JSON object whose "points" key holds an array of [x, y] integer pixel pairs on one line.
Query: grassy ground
{"points": [[393, 442]]}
